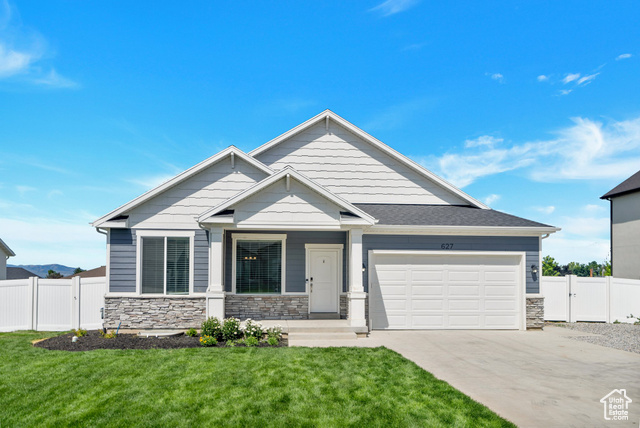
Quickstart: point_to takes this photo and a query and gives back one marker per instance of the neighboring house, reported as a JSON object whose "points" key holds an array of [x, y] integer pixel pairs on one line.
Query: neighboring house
{"points": [[19, 273], [91, 273], [322, 221], [5, 253], [625, 228]]}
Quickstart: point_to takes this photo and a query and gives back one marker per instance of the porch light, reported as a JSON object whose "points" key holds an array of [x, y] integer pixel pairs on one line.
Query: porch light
{"points": [[364, 268], [534, 269]]}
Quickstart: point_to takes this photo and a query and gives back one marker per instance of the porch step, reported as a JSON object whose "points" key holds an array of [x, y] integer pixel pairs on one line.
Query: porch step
{"points": [[316, 335], [323, 316]]}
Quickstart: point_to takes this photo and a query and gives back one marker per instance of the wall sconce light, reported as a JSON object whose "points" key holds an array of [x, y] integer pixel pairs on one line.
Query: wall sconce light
{"points": [[364, 268], [534, 269]]}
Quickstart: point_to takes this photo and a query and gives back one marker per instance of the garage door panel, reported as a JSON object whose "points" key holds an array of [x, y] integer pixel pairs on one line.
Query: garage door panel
{"points": [[424, 291]]}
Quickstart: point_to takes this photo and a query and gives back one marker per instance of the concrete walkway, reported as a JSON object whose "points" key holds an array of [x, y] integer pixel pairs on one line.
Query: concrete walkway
{"points": [[532, 378]]}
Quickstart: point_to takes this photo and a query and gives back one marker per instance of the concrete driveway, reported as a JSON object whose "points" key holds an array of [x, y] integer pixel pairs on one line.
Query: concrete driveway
{"points": [[532, 378]]}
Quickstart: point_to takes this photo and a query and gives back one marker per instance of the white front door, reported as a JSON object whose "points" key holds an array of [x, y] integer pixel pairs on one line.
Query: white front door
{"points": [[323, 277]]}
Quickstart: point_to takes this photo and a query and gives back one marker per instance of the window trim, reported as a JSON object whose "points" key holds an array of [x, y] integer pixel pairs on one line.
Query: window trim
{"points": [[260, 237], [164, 234]]}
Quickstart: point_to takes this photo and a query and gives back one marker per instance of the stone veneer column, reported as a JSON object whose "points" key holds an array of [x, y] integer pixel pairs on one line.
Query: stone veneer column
{"points": [[215, 291], [356, 295]]}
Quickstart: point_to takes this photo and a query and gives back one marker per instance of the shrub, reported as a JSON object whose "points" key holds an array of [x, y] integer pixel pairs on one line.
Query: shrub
{"points": [[79, 332], [253, 329], [212, 327], [251, 341], [106, 335], [231, 329], [275, 332], [208, 341], [230, 343], [272, 341], [192, 332]]}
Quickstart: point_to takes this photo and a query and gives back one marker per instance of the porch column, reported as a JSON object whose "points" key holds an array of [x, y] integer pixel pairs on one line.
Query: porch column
{"points": [[215, 291], [356, 295]]}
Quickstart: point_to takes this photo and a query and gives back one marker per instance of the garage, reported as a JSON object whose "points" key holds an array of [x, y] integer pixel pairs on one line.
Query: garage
{"points": [[446, 290]]}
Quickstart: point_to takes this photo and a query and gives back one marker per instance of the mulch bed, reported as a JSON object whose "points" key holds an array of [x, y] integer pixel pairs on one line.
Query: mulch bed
{"points": [[94, 340]]}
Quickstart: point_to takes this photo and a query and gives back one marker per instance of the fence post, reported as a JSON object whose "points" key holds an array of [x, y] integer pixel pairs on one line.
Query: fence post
{"points": [[30, 293], [75, 302], [572, 285], [34, 303], [608, 294]]}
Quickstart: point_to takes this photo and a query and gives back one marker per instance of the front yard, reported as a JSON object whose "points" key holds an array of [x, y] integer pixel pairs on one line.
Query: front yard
{"points": [[224, 386]]}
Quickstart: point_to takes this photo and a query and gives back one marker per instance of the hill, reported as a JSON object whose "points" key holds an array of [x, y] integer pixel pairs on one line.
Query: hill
{"points": [[41, 270]]}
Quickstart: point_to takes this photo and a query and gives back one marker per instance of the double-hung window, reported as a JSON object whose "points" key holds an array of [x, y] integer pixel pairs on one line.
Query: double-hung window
{"points": [[165, 264], [258, 263]]}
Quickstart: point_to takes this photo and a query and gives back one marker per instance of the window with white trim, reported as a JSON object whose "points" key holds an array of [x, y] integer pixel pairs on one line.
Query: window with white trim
{"points": [[258, 264], [166, 262]]}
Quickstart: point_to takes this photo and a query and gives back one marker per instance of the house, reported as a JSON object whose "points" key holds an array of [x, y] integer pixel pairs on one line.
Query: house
{"points": [[625, 228], [91, 273], [5, 253], [16, 272], [322, 221]]}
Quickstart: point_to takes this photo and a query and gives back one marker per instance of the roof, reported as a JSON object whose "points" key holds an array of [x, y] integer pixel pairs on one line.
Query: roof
{"points": [[4, 247], [231, 151], [444, 215], [630, 185], [19, 273], [329, 115], [91, 273]]}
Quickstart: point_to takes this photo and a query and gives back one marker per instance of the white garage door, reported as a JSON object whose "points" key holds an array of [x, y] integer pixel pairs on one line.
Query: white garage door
{"points": [[423, 290]]}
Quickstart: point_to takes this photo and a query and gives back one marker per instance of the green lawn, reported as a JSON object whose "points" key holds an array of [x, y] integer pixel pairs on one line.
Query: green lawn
{"points": [[232, 386]]}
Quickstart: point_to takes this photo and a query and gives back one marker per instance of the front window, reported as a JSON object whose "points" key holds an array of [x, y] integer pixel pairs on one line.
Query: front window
{"points": [[165, 265], [258, 266]]}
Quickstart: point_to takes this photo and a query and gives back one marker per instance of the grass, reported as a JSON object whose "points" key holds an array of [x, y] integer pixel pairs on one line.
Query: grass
{"points": [[229, 387]]}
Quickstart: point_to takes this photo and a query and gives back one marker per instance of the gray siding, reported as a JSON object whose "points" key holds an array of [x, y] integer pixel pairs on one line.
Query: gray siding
{"points": [[461, 243], [295, 253], [122, 267]]}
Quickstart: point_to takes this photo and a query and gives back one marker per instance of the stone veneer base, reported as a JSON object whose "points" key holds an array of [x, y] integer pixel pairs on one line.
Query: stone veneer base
{"points": [[535, 312], [154, 313], [267, 307]]}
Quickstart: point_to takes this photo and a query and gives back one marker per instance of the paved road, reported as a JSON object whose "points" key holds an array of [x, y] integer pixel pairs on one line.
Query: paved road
{"points": [[532, 378]]}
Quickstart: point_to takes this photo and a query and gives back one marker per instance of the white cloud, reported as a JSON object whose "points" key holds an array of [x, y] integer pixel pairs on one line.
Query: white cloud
{"points": [[483, 141], [13, 62], [582, 239], [592, 208], [542, 78], [585, 150], [150, 182], [391, 7], [585, 80], [491, 199], [54, 80], [546, 210], [623, 56], [565, 91], [570, 77], [497, 77]]}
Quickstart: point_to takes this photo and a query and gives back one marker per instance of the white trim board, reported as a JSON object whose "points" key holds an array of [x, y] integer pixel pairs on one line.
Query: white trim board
{"points": [[329, 115], [229, 151]]}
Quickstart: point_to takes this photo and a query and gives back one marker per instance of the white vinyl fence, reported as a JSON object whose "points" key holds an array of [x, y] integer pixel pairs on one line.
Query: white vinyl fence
{"points": [[605, 299], [51, 304]]}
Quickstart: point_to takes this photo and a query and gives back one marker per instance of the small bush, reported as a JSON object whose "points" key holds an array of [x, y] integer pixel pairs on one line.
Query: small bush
{"points": [[251, 341], [272, 341], [192, 332], [208, 341], [231, 343], [79, 332], [253, 329], [275, 332], [212, 327], [231, 329], [106, 335]]}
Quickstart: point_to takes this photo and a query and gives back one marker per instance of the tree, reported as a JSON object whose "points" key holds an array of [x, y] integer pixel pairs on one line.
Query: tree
{"points": [[550, 266], [52, 274], [78, 270]]}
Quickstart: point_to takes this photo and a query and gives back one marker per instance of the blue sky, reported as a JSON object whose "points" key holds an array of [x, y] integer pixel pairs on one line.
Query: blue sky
{"points": [[530, 106]]}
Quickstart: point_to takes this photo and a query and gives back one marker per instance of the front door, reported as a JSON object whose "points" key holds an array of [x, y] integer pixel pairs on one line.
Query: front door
{"points": [[323, 278]]}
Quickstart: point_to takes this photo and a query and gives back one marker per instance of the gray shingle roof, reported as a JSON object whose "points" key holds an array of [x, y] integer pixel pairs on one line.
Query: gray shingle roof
{"points": [[631, 184], [19, 273], [443, 215]]}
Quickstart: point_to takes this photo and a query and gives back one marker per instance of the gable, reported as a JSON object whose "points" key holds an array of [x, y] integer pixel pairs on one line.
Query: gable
{"points": [[276, 206], [180, 206], [354, 169]]}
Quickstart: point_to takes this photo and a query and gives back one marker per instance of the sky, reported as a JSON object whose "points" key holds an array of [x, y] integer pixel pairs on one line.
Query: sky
{"points": [[531, 107]]}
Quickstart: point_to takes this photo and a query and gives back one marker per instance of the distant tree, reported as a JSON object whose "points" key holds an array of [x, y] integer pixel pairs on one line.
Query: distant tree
{"points": [[52, 274], [606, 268], [550, 266], [78, 270]]}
